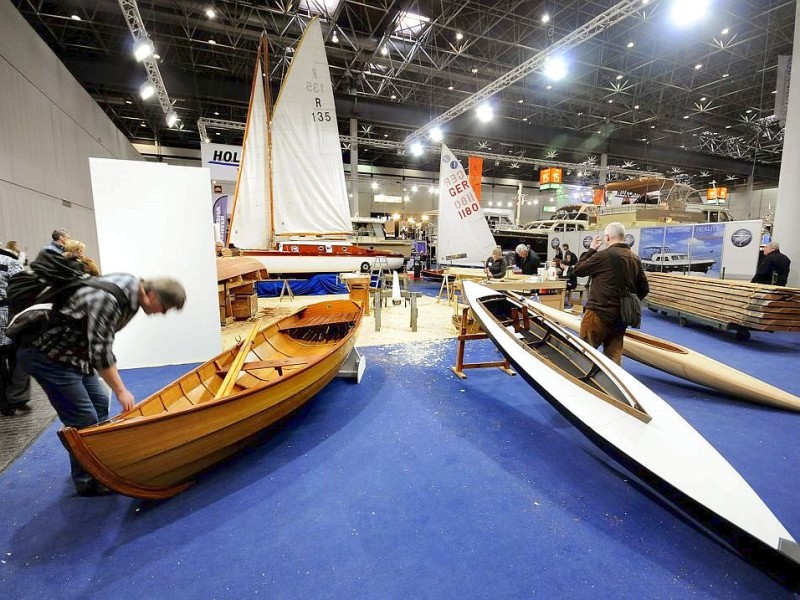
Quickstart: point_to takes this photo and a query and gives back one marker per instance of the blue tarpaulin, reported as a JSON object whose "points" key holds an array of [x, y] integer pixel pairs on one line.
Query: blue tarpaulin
{"points": [[316, 285]]}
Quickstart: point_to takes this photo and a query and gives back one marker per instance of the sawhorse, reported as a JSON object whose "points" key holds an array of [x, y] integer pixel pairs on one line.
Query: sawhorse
{"points": [[463, 337], [286, 289]]}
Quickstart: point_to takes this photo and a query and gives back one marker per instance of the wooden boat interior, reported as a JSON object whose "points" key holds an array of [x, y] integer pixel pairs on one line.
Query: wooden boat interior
{"points": [[277, 351], [550, 343]]}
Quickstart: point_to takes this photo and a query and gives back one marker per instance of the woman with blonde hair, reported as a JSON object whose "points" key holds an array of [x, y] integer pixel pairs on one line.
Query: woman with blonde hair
{"points": [[74, 249]]}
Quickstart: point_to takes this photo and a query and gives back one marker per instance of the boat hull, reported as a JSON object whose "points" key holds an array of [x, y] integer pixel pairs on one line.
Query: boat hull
{"points": [[155, 450], [687, 364], [664, 452], [325, 258], [399, 246]]}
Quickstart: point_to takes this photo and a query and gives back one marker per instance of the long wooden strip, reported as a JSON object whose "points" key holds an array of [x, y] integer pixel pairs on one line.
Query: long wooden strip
{"points": [[236, 366]]}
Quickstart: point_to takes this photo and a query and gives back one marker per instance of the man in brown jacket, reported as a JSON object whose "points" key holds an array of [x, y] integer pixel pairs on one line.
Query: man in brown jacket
{"points": [[601, 322]]}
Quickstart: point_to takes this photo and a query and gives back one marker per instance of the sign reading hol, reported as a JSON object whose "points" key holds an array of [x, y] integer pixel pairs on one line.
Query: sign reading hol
{"points": [[222, 160]]}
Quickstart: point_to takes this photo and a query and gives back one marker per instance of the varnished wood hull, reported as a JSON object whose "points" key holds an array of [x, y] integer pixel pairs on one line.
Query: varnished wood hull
{"points": [[156, 449], [638, 429], [687, 364]]}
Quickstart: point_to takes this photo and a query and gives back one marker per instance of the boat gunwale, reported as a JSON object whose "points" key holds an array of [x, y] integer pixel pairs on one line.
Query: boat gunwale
{"points": [[125, 420], [633, 409]]}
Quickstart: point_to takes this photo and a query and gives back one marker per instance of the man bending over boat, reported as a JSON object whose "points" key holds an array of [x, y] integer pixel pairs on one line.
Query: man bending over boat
{"points": [[601, 323], [78, 341]]}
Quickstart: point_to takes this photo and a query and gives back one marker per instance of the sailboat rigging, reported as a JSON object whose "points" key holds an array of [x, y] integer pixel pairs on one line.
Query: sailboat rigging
{"points": [[291, 208]]}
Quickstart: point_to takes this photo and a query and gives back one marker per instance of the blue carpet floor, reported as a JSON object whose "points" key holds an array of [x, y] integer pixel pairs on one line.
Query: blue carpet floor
{"points": [[413, 484]]}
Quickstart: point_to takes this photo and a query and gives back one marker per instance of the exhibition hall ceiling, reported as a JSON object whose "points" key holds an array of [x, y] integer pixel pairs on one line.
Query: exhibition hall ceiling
{"points": [[695, 101]]}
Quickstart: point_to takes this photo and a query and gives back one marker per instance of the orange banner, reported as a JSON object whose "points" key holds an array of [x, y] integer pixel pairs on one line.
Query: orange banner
{"points": [[475, 175], [599, 196]]}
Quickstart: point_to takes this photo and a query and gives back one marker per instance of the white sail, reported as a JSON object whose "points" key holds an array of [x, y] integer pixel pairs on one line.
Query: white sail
{"points": [[309, 189], [250, 218], [462, 227]]}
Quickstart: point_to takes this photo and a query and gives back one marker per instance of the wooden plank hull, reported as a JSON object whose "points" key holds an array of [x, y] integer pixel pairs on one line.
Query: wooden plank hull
{"points": [[639, 430], [154, 450], [687, 364]]}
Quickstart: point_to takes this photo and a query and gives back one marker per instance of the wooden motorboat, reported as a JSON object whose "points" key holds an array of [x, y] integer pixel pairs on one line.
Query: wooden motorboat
{"points": [[155, 449], [638, 429], [682, 362]]}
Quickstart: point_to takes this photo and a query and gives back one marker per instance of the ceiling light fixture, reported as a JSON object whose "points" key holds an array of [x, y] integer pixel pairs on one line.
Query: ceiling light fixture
{"points": [[724, 31], [474, 69], [459, 36], [698, 66], [75, 17], [172, 118], [484, 113], [548, 87], [416, 149], [450, 87], [384, 51], [147, 90], [687, 12], [335, 38], [210, 13], [143, 49], [545, 18], [635, 107], [555, 69], [436, 134], [631, 44], [212, 42], [726, 74], [703, 99]]}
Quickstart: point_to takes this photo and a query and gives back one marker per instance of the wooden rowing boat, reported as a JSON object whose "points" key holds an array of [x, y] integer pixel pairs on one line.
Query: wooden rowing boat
{"points": [[155, 449], [682, 362], [638, 429]]}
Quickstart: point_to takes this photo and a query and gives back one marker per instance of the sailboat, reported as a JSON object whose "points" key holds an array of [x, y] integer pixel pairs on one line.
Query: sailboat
{"points": [[290, 208], [464, 237]]}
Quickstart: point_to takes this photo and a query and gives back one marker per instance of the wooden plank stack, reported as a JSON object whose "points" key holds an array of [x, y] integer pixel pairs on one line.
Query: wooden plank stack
{"points": [[741, 304]]}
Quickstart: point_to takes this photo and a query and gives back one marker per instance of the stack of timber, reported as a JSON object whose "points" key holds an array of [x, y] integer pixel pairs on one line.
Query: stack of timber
{"points": [[236, 287], [733, 303]]}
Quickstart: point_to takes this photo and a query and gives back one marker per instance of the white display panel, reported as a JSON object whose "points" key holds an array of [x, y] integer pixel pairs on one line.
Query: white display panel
{"points": [[152, 220]]}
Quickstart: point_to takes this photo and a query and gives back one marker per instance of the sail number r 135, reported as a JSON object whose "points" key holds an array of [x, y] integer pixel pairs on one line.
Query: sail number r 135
{"points": [[318, 116]]}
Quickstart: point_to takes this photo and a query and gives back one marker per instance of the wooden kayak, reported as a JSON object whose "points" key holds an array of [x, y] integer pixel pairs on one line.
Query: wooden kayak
{"points": [[638, 429], [155, 449], [682, 362]]}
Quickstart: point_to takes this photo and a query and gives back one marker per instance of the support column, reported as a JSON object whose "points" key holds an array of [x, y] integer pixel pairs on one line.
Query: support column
{"points": [[603, 170], [787, 211], [354, 208]]}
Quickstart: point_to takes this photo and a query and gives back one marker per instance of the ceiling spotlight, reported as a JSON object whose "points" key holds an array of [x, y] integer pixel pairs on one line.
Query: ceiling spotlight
{"points": [[147, 90], [685, 116], [459, 36], [724, 31], [142, 49], [726, 74], [75, 17], [394, 96], [749, 110], [474, 69], [450, 87], [635, 107], [128, 102], [384, 51], [216, 113], [610, 101], [555, 69], [207, 140], [687, 12], [727, 126], [172, 118], [484, 113], [335, 38], [698, 66], [374, 185], [414, 188], [548, 87], [630, 44], [210, 13], [524, 118], [619, 77], [545, 18], [520, 101], [436, 134], [212, 42]]}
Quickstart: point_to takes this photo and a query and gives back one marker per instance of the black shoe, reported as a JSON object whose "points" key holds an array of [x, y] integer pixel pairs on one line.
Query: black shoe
{"points": [[92, 488]]}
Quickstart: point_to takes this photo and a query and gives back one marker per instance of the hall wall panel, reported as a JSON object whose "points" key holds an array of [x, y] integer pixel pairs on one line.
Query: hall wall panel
{"points": [[49, 128]]}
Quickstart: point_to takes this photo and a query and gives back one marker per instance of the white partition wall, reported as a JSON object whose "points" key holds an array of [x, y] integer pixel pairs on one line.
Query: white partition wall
{"points": [[153, 220]]}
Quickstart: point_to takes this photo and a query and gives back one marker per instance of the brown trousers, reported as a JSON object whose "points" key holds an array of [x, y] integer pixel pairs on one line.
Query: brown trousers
{"points": [[597, 332]]}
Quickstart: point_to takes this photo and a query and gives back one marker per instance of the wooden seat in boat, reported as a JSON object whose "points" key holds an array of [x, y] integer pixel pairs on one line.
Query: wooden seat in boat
{"points": [[317, 320], [277, 364]]}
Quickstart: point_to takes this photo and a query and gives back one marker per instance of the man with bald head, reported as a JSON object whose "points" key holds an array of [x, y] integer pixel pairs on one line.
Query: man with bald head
{"points": [[602, 323], [773, 268]]}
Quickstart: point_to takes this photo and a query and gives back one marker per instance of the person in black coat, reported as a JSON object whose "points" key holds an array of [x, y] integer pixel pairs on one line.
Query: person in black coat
{"points": [[496, 264], [773, 268], [527, 261]]}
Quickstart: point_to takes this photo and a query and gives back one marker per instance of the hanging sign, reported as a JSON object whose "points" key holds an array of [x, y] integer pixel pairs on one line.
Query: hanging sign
{"points": [[599, 196], [716, 193], [222, 160], [550, 178], [475, 174]]}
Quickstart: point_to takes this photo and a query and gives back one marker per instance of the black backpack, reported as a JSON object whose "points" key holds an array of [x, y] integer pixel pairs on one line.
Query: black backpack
{"points": [[35, 293]]}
